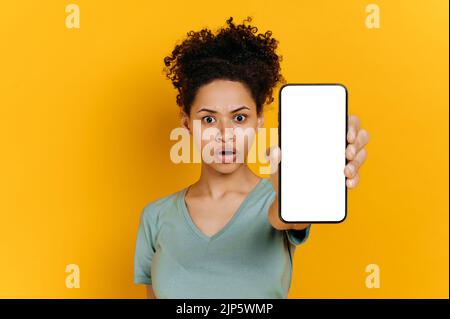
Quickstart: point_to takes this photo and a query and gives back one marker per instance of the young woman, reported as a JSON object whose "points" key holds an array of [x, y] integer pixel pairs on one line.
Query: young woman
{"points": [[221, 236]]}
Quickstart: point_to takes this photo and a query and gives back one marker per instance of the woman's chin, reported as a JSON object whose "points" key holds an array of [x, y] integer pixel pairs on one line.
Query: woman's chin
{"points": [[225, 168]]}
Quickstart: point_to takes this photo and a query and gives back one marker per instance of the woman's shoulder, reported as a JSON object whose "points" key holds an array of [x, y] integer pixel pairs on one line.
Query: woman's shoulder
{"points": [[158, 206], [267, 187]]}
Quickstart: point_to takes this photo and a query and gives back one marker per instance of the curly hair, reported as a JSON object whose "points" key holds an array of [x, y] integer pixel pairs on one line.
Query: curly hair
{"points": [[235, 53]]}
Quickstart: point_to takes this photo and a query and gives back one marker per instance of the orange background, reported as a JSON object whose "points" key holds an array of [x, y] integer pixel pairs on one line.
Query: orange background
{"points": [[86, 115]]}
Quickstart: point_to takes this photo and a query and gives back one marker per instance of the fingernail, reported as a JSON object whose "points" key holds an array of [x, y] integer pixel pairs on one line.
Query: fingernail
{"points": [[350, 169], [349, 153], [350, 135]]}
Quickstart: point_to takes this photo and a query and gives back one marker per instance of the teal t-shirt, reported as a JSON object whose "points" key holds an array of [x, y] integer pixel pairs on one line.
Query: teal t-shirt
{"points": [[247, 258]]}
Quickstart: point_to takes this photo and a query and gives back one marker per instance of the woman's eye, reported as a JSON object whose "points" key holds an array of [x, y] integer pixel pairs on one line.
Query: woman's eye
{"points": [[208, 119], [240, 117]]}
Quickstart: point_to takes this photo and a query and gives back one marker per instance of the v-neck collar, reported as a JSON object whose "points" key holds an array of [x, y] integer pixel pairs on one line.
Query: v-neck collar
{"points": [[197, 231]]}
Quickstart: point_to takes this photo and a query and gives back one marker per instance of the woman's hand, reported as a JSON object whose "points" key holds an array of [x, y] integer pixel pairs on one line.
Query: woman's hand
{"points": [[355, 152]]}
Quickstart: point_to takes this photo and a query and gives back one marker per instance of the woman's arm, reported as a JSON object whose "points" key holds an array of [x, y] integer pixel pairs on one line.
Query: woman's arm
{"points": [[150, 292], [274, 218]]}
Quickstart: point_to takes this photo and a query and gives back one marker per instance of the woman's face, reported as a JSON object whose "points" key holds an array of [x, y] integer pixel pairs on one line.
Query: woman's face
{"points": [[225, 117]]}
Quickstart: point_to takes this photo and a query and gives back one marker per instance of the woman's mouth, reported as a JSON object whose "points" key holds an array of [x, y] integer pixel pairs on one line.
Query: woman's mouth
{"points": [[225, 156]]}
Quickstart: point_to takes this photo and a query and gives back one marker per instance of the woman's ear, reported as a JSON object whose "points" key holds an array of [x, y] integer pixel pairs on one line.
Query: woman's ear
{"points": [[261, 120], [185, 121]]}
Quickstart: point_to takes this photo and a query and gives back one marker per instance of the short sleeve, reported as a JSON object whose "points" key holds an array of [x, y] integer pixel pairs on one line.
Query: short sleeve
{"points": [[297, 237], [145, 249]]}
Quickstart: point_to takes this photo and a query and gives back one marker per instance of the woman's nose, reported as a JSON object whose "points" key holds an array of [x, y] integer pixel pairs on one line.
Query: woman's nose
{"points": [[226, 132]]}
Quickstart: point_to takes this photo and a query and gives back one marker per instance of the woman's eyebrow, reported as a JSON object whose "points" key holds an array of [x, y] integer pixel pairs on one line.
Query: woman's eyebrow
{"points": [[213, 111], [240, 108], [206, 110]]}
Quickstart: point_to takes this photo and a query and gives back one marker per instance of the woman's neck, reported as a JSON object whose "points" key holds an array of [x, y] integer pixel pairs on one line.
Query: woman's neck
{"points": [[214, 184]]}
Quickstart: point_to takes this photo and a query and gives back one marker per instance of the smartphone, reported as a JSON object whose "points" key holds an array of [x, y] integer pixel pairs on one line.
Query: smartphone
{"points": [[312, 135]]}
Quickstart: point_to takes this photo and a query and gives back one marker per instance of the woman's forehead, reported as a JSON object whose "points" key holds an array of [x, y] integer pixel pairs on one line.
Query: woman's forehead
{"points": [[223, 96]]}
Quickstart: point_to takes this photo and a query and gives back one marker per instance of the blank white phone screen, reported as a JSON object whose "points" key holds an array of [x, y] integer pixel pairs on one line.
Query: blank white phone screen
{"points": [[312, 129]]}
